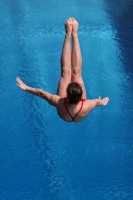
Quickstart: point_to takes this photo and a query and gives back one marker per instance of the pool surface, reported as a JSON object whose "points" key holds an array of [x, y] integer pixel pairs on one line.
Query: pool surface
{"points": [[43, 157]]}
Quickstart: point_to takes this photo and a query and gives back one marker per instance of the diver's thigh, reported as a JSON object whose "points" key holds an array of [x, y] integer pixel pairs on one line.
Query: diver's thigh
{"points": [[62, 86]]}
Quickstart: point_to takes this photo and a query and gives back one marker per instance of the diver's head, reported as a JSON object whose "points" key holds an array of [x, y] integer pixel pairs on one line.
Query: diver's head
{"points": [[74, 93]]}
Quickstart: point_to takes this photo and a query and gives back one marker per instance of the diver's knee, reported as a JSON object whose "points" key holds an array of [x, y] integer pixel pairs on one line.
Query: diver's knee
{"points": [[66, 71], [76, 70]]}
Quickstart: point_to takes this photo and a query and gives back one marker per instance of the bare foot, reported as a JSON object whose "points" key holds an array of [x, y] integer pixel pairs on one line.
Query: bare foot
{"points": [[68, 27], [74, 27]]}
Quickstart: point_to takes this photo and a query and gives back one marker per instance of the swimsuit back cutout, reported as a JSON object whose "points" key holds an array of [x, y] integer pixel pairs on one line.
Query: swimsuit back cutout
{"points": [[73, 118]]}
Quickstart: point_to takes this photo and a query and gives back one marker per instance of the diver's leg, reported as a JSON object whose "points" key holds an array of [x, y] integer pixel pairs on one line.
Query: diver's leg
{"points": [[65, 61], [76, 58]]}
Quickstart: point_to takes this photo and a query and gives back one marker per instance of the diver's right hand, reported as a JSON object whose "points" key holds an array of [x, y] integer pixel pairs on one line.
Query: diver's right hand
{"points": [[21, 84]]}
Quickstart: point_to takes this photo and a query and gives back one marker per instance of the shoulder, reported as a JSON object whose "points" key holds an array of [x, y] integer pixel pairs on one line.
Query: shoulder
{"points": [[89, 105], [58, 101], [55, 100]]}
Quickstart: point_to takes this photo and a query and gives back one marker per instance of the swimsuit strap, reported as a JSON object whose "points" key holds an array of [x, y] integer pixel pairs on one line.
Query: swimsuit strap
{"points": [[77, 112], [67, 108], [83, 99]]}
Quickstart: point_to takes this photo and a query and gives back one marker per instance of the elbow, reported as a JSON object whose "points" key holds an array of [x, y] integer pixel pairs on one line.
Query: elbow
{"points": [[40, 93]]}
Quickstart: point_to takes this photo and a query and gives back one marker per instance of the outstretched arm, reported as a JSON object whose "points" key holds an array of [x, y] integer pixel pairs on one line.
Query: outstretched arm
{"points": [[51, 99], [98, 102]]}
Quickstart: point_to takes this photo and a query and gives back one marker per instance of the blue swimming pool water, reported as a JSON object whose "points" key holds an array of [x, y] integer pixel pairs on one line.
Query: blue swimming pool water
{"points": [[41, 156]]}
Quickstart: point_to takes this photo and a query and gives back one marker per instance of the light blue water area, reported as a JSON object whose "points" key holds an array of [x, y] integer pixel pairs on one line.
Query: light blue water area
{"points": [[42, 156]]}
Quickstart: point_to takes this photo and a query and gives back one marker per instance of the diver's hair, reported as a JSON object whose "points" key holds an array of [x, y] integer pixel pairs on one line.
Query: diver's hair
{"points": [[74, 93]]}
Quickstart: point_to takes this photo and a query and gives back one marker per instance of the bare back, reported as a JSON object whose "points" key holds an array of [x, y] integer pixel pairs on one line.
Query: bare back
{"points": [[73, 110]]}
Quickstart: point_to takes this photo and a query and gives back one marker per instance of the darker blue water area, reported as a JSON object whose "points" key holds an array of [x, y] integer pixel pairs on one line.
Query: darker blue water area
{"points": [[123, 23], [41, 156]]}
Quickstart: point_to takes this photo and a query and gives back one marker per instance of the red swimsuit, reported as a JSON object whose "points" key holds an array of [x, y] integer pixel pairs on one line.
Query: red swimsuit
{"points": [[73, 118]]}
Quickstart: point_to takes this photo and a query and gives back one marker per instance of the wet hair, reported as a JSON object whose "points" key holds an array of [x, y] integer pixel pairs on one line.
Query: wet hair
{"points": [[74, 93]]}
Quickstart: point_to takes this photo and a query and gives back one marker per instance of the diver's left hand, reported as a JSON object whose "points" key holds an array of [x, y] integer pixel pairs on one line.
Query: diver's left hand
{"points": [[103, 101]]}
